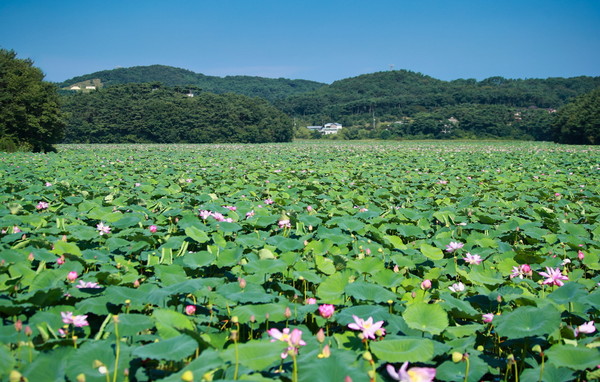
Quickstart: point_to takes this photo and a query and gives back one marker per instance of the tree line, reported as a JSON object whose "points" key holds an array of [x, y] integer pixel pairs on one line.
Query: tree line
{"points": [[386, 105]]}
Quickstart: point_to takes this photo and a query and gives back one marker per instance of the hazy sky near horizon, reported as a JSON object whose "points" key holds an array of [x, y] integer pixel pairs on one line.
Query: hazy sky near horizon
{"points": [[319, 40]]}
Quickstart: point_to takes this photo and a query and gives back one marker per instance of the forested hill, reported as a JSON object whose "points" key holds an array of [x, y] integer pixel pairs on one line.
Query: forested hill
{"points": [[268, 88], [394, 94], [154, 113]]}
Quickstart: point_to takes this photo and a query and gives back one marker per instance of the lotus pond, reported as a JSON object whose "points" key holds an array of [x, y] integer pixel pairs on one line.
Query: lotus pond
{"points": [[301, 262]]}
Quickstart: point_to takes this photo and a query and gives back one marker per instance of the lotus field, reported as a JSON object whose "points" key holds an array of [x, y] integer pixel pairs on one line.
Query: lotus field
{"points": [[332, 261]]}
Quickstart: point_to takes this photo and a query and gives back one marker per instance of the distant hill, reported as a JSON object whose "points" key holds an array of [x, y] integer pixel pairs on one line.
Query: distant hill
{"points": [[403, 93], [268, 88]]}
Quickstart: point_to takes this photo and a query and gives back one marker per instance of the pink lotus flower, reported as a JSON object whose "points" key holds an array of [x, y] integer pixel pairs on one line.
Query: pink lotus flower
{"points": [[249, 214], [230, 208], [520, 271], [368, 328], [453, 246], [587, 328], [293, 339], [284, 223], [72, 276], [269, 201], [104, 229], [414, 374], [580, 255], [78, 321], [326, 310], [309, 208], [311, 301], [60, 260], [204, 214], [457, 287], [426, 284], [42, 205], [472, 259], [48, 184], [488, 317], [88, 284], [152, 228], [553, 276], [190, 310]]}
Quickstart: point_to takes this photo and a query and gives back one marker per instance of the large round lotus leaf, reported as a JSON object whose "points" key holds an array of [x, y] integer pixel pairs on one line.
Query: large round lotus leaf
{"points": [[576, 358], [175, 348], [255, 355], [403, 349], [527, 321], [431, 318]]}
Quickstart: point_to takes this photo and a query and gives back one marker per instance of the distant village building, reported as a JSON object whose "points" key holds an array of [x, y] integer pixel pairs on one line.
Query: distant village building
{"points": [[75, 87], [329, 128], [89, 87]]}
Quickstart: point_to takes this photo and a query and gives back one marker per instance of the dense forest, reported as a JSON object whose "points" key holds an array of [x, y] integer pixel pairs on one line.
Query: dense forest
{"points": [[268, 88], [155, 113], [404, 104], [396, 104]]}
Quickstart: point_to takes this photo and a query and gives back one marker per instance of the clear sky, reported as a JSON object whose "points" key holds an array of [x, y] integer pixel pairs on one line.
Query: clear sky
{"points": [[319, 40]]}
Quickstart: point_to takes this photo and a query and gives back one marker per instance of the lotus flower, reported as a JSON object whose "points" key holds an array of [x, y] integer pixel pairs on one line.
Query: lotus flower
{"points": [[414, 374], [368, 328]]}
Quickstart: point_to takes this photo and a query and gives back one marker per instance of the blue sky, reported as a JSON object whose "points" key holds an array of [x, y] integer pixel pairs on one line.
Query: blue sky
{"points": [[320, 40]]}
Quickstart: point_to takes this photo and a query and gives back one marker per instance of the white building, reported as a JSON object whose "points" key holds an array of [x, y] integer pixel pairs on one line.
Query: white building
{"points": [[329, 128]]}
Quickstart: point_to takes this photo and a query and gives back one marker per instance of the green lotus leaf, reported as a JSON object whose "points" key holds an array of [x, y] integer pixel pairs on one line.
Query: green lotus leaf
{"points": [[528, 321], [255, 355], [431, 318], [403, 349], [364, 291], [431, 252], [172, 349], [196, 234], [572, 357]]}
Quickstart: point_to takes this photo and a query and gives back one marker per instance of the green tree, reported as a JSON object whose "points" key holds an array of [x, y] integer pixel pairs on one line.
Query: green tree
{"points": [[29, 106], [578, 122]]}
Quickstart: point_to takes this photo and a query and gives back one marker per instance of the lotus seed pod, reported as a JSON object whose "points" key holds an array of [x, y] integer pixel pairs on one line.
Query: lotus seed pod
{"points": [[187, 376], [235, 319], [80, 377], [14, 376], [367, 356], [457, 357]]}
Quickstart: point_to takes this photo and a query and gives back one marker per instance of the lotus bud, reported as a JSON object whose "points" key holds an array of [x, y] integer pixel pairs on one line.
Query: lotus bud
{"points": [[426, 284], [30, 257], [136, 284], [252, 318], [347, 379], [18, 325], [287, 313], [326, 353], [28, 331], [321, 336]]}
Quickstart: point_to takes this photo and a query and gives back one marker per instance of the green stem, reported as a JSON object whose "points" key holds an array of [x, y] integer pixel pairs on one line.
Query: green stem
{"points": [[117, 347], [541, 367], [295, 370], [467, 368]]}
